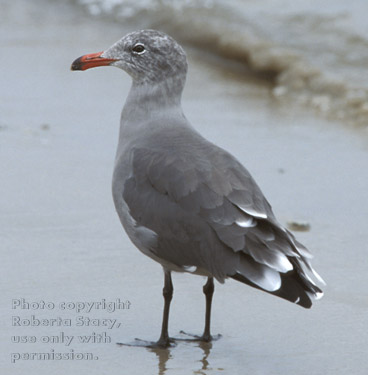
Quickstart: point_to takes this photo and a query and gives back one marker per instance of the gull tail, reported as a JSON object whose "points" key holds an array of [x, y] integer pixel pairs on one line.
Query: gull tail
{"points": [[296, 286]]}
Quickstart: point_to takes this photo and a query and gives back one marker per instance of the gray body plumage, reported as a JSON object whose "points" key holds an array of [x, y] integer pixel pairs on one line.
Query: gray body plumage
{"points": [[187, 203]]}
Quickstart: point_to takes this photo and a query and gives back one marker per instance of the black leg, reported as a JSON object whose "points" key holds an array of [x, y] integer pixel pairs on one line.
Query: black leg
{"points": [[164, 340], [208, 290]]}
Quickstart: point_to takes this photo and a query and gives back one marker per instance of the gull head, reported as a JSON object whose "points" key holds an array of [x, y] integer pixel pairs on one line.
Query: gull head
{"points": [[148, 56]]}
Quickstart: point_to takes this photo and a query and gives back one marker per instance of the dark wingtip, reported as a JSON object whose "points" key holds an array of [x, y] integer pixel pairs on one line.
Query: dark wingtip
{"points": [[291, 290], [77, 64]]}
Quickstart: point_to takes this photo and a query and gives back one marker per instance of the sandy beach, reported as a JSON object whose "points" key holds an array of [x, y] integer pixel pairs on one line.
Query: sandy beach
{"points": [[62, 242]]}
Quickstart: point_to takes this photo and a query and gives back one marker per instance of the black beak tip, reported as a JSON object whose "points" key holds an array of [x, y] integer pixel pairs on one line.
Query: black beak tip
{"points": [[77, 64]]}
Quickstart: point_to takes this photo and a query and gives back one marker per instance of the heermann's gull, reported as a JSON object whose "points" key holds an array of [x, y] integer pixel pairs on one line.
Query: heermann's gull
{"points": [[185, 202]]}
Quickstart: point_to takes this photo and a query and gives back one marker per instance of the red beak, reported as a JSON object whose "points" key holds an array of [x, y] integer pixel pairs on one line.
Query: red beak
{"points": [[91, 60]]}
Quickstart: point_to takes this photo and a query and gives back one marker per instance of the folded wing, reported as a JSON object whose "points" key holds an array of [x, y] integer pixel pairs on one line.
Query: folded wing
{"points": [[208, 212]]}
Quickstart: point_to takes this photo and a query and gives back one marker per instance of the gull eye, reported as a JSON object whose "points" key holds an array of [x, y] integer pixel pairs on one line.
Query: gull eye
{"points": [[138, 48]]}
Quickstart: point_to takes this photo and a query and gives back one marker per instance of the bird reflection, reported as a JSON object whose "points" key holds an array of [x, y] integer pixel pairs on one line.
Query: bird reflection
{"points": [[164, 354], [206, 347]]}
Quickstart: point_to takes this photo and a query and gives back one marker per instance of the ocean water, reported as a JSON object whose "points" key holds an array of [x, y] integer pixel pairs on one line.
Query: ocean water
{"points": [[314, 53]]}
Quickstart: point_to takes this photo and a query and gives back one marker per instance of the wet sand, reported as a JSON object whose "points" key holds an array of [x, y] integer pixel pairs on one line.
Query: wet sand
{"points": [[62, 241]]}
